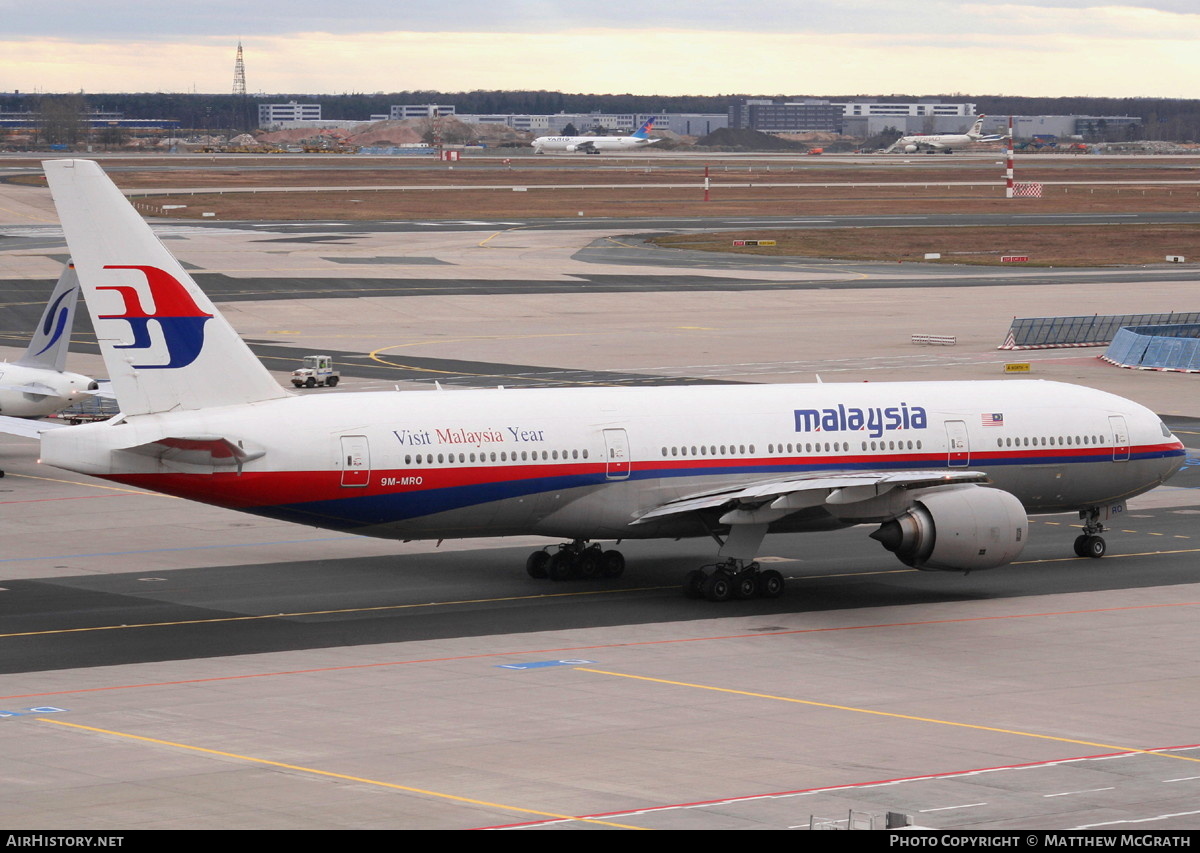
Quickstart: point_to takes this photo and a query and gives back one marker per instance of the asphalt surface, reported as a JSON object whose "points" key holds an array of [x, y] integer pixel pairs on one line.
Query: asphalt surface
{"points": [[169, 665]]}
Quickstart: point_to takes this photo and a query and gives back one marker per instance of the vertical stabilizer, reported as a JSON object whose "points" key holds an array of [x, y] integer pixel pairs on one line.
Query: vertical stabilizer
{"points": [[165, 346], [48, 348], [644, 131]]}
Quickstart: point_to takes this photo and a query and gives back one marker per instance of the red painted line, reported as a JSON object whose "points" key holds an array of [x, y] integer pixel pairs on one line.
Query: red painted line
{"points": [[797, 792], [492, 655]]}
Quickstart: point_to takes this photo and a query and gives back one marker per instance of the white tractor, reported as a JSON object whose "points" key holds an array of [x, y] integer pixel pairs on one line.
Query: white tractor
{"points": [[317, 370]]}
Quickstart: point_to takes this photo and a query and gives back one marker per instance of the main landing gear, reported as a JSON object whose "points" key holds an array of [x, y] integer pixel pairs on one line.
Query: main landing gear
{"points": [[575, 560], [1090, 543], [733, 579]]}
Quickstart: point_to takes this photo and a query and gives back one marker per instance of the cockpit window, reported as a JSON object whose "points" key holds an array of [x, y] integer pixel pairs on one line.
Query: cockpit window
{"points": [[1166, 431]]}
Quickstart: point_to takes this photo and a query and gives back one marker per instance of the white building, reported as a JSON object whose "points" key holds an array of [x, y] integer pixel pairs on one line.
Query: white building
{"points": [[274, 115], [405, 111], [916, 108]]}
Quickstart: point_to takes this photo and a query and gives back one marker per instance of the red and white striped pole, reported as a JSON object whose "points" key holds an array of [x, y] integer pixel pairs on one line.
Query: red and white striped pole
{"points": [[706, 183], [1008, 175]]}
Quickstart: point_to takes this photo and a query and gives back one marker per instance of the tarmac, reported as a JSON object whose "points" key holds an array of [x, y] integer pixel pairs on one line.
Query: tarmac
{"points": [[171, 665]]}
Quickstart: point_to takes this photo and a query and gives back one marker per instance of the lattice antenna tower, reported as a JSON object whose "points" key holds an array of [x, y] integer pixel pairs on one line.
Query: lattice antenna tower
{"points": [[239, 74]]}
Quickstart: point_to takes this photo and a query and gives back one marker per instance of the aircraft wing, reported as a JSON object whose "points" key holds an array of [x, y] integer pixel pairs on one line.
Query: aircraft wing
{"points": [[778, 498], [26, 427]]}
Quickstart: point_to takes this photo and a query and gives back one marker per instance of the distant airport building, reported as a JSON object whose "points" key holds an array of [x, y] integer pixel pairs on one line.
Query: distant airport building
{"points": [[781, 115], [919, 109], [1064, 127], [691, 124], [406, 111], [95, 120], [274, 116], [862, 127]]}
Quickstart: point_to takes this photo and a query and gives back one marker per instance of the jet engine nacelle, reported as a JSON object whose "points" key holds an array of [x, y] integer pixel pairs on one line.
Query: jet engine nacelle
{"points": [[572, 148], [958, 529], [912, 149]]}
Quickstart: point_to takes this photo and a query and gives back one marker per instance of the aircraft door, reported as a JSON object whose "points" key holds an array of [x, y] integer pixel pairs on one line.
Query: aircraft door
{"points": [[356, 461], [616, 449], [1120, 438], [958, 448]]}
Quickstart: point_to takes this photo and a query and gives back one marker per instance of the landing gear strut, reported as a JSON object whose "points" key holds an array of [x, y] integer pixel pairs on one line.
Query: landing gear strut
{"points": [[733, 579], [1090, 543], [575, 560]]}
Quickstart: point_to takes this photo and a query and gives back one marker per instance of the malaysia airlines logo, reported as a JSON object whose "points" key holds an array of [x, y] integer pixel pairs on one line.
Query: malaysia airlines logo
{"points": [[178, 317], [56, 321]]}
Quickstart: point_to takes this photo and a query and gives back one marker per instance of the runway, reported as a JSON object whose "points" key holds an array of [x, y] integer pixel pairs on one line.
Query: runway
{"points": [[170, 665]]}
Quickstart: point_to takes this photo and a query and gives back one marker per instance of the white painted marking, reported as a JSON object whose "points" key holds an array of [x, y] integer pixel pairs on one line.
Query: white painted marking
{"points": [[1073, 793], [949, 808], [1139, 820]]}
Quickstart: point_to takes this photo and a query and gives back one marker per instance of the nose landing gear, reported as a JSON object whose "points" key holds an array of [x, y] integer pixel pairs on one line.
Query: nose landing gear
{"points": [[1090, 543]]}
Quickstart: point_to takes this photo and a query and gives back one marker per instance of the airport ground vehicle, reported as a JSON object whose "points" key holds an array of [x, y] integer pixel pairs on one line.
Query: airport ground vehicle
{"points": [[317, 370]]}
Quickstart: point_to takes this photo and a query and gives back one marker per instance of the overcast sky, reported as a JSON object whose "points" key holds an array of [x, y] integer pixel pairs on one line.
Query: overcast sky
{"points": [[670, 47]]}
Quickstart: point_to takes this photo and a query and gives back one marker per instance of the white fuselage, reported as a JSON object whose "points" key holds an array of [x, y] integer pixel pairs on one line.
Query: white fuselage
{"points": [[573, 144], [34, 392], [584, 463], [936, 142]]}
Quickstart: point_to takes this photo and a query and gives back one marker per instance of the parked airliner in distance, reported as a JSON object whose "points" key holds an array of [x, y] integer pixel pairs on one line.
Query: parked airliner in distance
{"points": [[943, 142], [596, 144], [946, 472], [36, 385]]}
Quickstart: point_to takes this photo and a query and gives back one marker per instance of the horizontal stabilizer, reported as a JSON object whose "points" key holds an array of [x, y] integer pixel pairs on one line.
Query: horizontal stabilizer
{"points": [[25, 427], [209, 450], [35, 389]]}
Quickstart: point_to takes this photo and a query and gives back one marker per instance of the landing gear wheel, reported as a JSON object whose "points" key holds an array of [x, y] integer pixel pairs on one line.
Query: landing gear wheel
{"points": [[718, 587], [563, 566], [612, 564], [770, 584], [589, 564], [1096, 547], [1081, 546], [537, 565], [693, 583], [745, 587]]}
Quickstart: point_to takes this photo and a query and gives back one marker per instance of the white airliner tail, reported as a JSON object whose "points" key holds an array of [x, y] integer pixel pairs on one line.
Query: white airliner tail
{"points": [[47, 348], [165, 346]]}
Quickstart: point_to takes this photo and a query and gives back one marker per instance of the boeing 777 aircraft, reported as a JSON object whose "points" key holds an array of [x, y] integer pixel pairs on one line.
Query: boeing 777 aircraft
{"points": [[35, 385], [945, 472], [596, 144], [944, 142]]}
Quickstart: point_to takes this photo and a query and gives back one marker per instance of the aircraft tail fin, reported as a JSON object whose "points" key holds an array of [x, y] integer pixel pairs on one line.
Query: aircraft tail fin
{"points": [[977, 128], [48, 346], [647, 126], [165, 345]]}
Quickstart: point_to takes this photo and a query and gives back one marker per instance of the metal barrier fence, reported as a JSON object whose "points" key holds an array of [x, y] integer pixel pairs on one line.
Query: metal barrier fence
{"points": [[1161, 347], [1093, 331]]}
